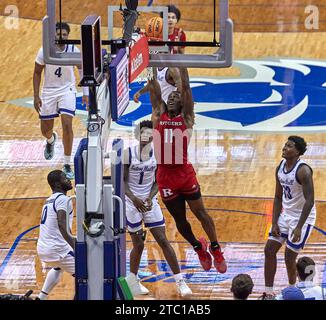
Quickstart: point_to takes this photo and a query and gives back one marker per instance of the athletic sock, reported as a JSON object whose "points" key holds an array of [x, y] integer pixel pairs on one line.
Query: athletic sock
{"points": [[197, 245], [43, 295], [178, 276], [52, 279], [51, 140], [215, 245], [66, 159], [269, 290]]}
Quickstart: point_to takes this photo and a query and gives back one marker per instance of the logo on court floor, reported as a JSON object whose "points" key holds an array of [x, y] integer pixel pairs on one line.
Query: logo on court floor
{"points": [[269, 95]]}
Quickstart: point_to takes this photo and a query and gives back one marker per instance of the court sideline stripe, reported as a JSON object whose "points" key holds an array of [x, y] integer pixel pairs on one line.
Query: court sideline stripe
{"points": [[13, 248]]}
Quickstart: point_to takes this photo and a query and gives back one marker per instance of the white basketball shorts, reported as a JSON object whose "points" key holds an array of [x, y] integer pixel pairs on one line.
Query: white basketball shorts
{"points": [[66, 264], [287, 224], [52, 107], [152, 219]]}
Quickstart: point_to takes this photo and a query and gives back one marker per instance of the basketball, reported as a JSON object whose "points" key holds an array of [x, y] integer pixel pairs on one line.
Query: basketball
{"points": [[154, 28]]}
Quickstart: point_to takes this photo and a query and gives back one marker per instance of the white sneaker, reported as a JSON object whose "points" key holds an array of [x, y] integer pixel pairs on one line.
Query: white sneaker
{"points": [[135, 286], [182, 288]]}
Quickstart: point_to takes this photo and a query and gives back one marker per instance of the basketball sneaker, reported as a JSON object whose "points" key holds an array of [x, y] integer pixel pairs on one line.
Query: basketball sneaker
{"points": [[135, 286], [204, 256], [68, 172], [182, 288], [219, 261], [49, 148]]}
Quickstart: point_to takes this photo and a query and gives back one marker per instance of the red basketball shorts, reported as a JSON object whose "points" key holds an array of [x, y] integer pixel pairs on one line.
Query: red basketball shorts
{"points": [[178, 181]]}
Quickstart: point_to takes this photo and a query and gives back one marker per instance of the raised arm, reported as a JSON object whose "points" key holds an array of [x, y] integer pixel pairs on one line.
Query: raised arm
{"points": [[186, 97], [158, 105], [173, 77]]}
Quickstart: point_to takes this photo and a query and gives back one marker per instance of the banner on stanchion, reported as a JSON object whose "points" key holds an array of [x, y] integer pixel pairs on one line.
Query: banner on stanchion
{"points": [[138, 58]]}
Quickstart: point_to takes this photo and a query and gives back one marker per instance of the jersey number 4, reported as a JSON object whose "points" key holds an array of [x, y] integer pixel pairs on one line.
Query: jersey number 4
{"points": [[58, 72]]}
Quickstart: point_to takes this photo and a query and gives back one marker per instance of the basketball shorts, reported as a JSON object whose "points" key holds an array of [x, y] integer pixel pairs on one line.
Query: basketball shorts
{"points": [[287, 224], [175, 182], [152, 219], [66, 264], [52, 107]]}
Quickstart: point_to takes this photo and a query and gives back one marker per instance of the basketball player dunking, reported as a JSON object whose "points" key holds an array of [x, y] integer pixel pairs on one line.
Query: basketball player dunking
{"points": [[176, 177]]}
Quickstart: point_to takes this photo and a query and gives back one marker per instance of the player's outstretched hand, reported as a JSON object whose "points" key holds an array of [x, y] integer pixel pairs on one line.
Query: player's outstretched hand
{"points": [[139, 204], [37, 104], [276, 230]]}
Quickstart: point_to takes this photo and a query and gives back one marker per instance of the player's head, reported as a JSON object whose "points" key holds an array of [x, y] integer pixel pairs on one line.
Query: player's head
{"points": [[144, 132], [294, 147], [306, 269], [242, 286], [58, 181], [174, 103], [65, 30], [174, 15]]}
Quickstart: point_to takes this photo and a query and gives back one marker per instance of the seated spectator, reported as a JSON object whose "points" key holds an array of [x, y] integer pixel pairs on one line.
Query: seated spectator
{"points": [[242, 286], [306, 270]]}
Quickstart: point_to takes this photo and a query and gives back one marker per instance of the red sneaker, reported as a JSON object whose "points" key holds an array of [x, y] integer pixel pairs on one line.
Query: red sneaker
{"points": [[219, 261], [204, 256]]}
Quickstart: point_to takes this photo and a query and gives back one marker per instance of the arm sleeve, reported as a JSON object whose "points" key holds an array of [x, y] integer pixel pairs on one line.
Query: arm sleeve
{"points": [[39, 58]]}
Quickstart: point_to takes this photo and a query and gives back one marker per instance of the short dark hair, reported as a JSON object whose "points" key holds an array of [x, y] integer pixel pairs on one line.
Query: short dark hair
{"points": [[143, 124], [302, 264], [242, 286], [299, 143], [172, 8], [62, 25], [54, 177]]}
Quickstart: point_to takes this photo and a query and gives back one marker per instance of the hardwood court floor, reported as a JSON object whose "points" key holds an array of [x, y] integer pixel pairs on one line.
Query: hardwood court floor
{"points": [[236, 176], [241, 226]]}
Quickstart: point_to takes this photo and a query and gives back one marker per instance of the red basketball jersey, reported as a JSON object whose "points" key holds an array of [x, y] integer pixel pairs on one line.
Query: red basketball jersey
{"points": [[171, 139], [177, 35]]}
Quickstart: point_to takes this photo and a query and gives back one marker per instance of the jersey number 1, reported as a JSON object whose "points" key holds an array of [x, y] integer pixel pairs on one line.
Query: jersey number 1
{"points": [[168, 135], [141, 178], [58, 72]]}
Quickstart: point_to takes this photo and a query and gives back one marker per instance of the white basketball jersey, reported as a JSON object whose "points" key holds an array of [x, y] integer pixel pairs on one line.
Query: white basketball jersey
{"points": [[57, 79], [166, 88], [51, 241], [312, 292], [141, 173], [293, 199]]}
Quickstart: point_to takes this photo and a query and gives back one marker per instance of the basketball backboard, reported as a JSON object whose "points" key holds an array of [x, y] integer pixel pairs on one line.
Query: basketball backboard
{"points": [[207, 25]]}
